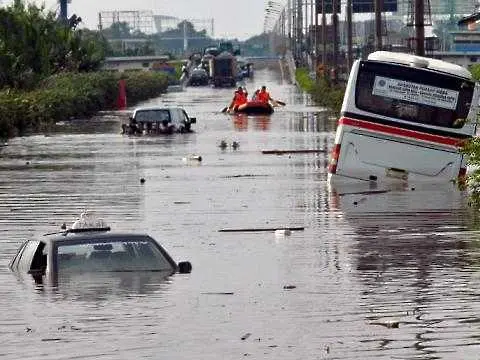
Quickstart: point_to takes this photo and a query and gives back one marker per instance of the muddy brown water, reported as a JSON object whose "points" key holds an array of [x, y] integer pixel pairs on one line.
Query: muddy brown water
{"points": [[374, 274]]}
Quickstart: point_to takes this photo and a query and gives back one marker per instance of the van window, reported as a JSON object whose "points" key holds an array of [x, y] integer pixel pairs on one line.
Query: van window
{"points": [[412, 94]]}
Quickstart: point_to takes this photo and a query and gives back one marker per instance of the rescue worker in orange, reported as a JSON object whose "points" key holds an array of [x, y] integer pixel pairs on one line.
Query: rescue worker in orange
{"points": [[239, 98], [263, 95]]}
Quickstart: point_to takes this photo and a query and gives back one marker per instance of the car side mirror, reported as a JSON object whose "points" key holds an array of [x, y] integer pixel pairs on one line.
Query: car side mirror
{"points": [[193, 120], [184, 267]]}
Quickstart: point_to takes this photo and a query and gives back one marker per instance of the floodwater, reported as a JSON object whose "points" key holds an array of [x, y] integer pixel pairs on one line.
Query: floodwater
{"points": [[374, 275]]}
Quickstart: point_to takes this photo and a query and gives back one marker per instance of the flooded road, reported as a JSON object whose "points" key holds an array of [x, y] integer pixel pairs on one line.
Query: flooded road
{"points": [[374, 275]]}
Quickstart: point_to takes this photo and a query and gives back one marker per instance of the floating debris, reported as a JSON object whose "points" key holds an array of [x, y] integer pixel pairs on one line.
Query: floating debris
{"points": [[283, 232], [387, 324], [281, 152], [300, 228], [289, 287], [217, 293], [368, 192], [223, 145], [192, 158], [142, 181], [51, 339], [246, 336], [240, 176]]}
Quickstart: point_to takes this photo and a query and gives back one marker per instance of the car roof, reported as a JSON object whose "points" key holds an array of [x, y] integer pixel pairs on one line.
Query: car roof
{"points": [[146, 108], [85, 236]]}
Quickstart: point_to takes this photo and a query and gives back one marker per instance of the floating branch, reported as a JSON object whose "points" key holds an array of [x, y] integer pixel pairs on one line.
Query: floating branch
{"points": [[262, 229], [241, 176], [281, 152], [368, 192]]}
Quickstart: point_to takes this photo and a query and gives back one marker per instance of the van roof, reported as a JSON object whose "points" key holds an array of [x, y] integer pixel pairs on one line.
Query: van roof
{"points": [[429, 63]]}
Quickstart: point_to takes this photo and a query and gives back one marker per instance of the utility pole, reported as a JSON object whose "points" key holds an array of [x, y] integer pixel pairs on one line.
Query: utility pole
{"points": [[316, 35], [324, 36], [419, 28], [310, 36], [63, 10], [299, 29], [349, 35], [335, 39], [294, 29], [289, 25], [378, 24], [185, 38]]}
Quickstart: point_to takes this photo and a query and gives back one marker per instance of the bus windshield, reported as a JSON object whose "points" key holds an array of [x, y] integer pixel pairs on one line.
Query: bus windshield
{"points": [[413, 94]]}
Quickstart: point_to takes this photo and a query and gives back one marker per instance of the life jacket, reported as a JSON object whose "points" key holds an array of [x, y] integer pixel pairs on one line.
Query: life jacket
{"points": [[239, 98], [263, 96]]}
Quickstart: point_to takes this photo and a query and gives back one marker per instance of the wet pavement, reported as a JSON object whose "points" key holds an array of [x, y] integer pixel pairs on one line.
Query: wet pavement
{"points": [[378, 274]]}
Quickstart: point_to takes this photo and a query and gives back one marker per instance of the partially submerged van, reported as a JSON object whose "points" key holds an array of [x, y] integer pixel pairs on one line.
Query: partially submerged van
{"points": [[404, 117]]}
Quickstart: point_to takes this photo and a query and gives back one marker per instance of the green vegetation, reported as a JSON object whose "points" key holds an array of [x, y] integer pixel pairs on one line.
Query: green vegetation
{"points": [[472, 150], [323, 92], [71, 95], [49, 71]]}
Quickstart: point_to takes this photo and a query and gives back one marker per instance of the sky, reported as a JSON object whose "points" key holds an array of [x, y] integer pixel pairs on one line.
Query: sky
{"points": [[232, 19]]}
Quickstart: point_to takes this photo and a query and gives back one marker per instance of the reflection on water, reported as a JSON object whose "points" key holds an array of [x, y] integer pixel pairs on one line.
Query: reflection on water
{"points": [[416, 264], [312, 122], [104, 286], [240, 122], [367, 256]]}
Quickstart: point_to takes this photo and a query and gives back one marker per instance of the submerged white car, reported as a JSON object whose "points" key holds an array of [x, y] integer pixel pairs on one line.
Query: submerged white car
{"points": [[158, 120]]}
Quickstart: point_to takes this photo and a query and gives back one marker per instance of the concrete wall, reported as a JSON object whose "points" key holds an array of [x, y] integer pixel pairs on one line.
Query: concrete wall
{"points": [[132, 62]]}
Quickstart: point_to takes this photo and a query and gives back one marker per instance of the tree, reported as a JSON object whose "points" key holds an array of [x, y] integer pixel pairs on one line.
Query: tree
{"points": [[34, 44]]}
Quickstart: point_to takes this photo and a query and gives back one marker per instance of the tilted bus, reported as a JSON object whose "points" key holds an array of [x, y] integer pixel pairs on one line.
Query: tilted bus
{"points": [[404, 117]]}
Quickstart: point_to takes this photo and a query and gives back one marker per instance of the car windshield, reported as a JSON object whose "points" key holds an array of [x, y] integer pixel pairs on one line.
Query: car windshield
{"points": [[416, 95], [152, 115], [107, 255]]}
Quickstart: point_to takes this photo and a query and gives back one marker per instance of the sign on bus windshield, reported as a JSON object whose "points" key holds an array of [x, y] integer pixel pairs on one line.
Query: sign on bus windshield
{"points": [[416, 95], [415, 92]]}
